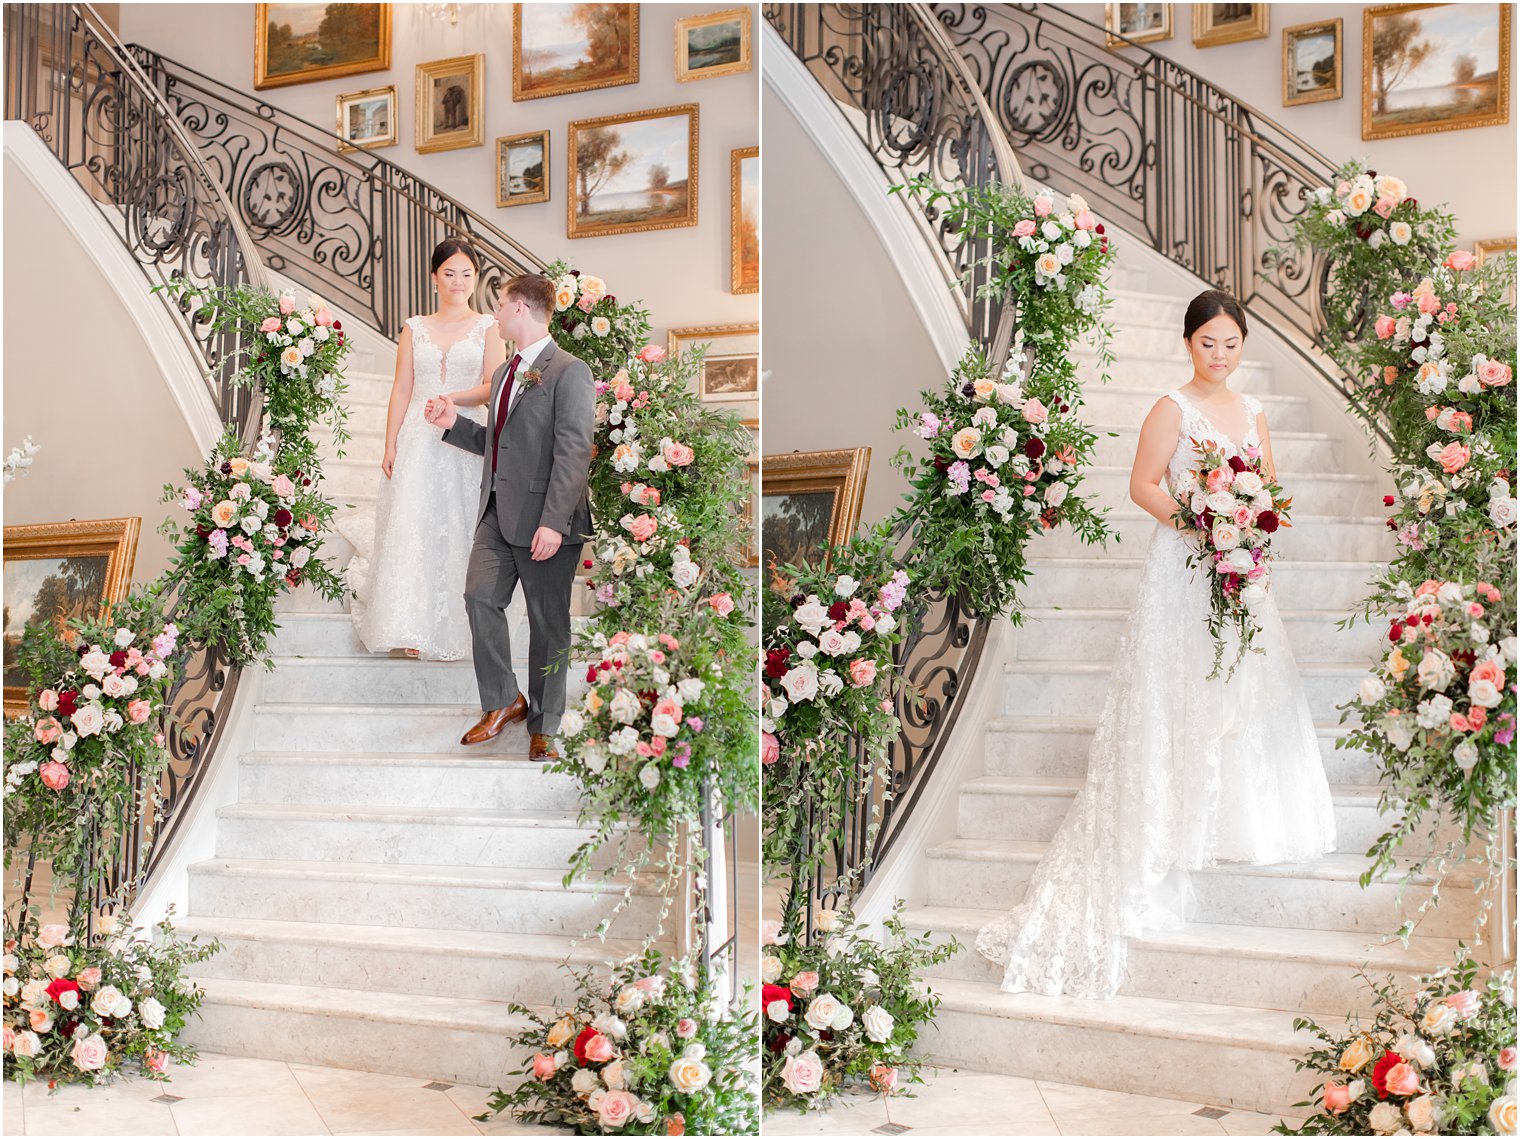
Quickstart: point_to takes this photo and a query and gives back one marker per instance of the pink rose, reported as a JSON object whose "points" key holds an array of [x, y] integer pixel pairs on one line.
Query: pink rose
{"points": [[1493, 373], [651, 354], [1384, 326], [1085, 219], [622, 391], [686, 1028], [138, 711], [883, 1079], [1024, 227], [47, 700], [1453, 457], [1460, 422], [862, 672], [544, 1067], [599, 1049], [1402, 1079], [802, 1074], [805, 982], [677, 454], [615, 1109], [1042, 206], [1384, 206], [156, 1061], [1242, 516], [1035, 412], [287, 304], [54, 775], [89, 978], [586, 303], [1460, 259], [1337, 1098], [1507, 1059], [282, 486], [271, 324], [324, 317], [643, 527], [89, 1053], [1467, 1003], [1218, 479], [48, 729], [770, 748], [722, 604], [1429, 302]]}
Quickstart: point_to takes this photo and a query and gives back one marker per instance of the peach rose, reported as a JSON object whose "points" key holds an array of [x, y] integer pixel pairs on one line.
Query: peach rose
{"points": [[1042, 206], [721, 603], [271, 324], [770, 748], [677, 454], [1242, 516], [862, 672], [1085, 220], [675, 1124], [544, 1067], [642, 527], [599, 1049], [291, 357], [1047, 264], [89, 978], [1453, 457], [287, 304], [1403, 1080], [1358, 1054], [563, 298], [26, 1044], [1493, 373], [615, 1109], [883, 1079], [805, 982], [1024, 227], [47, 730], [156, 1061], [282, 486], [54, 775], [1034, 411], [40, 1020], [1359, 201], [1384, 328], [1384, 206], [1460, 260], [138, 711], [651, 354], [1337, 1098], [1429, 302], [966, 442], [323, 317]]}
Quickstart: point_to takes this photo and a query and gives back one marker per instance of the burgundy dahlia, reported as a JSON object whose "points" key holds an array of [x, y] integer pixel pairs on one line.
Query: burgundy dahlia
{"points": [[838, 611], [1237, 464], [283, 518], [1267, 522], [1034, 447]]}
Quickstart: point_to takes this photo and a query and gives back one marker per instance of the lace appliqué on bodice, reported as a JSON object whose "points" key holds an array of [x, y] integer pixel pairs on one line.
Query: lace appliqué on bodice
{"points": [[1197, 425]]}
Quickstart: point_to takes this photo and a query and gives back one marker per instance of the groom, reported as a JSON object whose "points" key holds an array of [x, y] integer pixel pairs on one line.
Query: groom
{"points": [[534, 513]]}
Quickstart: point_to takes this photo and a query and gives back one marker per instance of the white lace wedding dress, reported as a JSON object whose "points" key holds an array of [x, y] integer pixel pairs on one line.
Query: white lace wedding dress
{"points": [[1183, 773], [408, 572]]}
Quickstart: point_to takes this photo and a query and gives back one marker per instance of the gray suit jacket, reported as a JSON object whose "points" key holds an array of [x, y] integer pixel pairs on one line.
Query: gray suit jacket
{"points": [[544, 455]]}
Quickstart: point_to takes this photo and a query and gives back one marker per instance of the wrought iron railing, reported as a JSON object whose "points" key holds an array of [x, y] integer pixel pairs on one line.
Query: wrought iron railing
{"points": [[351, 224], [69, 79]]}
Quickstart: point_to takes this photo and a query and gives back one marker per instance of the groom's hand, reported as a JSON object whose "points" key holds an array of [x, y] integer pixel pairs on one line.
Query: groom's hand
{"points": [[440, 412], [546, 542]]}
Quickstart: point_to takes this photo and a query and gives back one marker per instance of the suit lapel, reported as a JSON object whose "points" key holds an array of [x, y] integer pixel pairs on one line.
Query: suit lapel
{"points": [[541, 366]]}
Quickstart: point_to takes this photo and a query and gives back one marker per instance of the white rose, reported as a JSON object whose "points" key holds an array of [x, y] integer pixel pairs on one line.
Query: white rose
{"points": [[1436, 670], [777, 1011], [1222, 502], [685, 574], [1226, 535], [624, 706], [152, 1013], [1240, 560], [845, 586], [822, 1011], [104, 1001], [1248, 484], [807, 650], [811, 616], [1503, 511], [649, 776], [1466, 755], [628, 1000], [1253, 594], [12, 986], [1372, 691], [770, 969], [610, 1026], [1501, 1114], [1414, 1049], [800, 683], [1439, 1019], [57, 966], [1399, 733], [571, 724], [996, 455], [1433, 713], [829, 682], [831, 641], [584, 1082], [614, 1076], [802, 1074], [1484, 693], [878, 1024], [123, 1006], [1056, 493], [690, 1075]]}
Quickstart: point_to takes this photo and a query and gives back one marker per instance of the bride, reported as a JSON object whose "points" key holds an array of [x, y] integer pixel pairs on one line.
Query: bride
{"points": [[1184, 772], [408, 575]]}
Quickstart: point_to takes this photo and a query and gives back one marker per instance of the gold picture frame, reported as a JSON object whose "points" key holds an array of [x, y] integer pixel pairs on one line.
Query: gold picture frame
{"points": [[1299, 82], [532, 81], [381, 129], [669, 201], [724, 49], [809, 500], [744, 221], [730, 367], [76, 568], [1492, 247], [275, 51], [442, 85], [1145, 31], [1218, 24], [1486, 90], [532, 191]]}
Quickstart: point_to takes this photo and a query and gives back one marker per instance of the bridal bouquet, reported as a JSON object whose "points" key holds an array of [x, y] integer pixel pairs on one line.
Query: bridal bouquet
{"points": [[648, 1051], [77, 1012], [1439, 1061], [255, 529], [846, 1009], [1232, 507]]}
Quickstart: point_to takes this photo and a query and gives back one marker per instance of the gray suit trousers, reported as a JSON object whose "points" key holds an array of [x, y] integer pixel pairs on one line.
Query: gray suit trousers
{"points": [[495, 569]]}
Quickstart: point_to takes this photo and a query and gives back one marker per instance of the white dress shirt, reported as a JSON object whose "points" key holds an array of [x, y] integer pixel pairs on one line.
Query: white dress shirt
{"points": [[529, 355]]}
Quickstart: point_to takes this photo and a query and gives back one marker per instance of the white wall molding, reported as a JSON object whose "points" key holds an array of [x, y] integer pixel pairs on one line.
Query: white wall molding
{"points": [[82, 216], [904, 243]]}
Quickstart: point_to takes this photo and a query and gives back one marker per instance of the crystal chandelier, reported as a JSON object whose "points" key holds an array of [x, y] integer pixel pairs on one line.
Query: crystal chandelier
{"points": [[449, 12]]}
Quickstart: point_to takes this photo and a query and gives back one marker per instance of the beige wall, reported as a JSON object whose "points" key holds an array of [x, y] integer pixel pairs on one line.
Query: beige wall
{"points": [[681, 274], [843, 344], [80, 380], [1471, 170]]}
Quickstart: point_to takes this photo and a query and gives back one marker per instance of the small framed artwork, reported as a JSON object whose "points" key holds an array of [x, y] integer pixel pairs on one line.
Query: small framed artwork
{"points": [[57, 571], [744, 210], [304, 43], [1312, 63], [1137, 23], [809, 501], [632, 173], [1434, 67], [1497, 247], [522, 169], [713, 45], [367, 119], [558, 49], [451, 103], [731, 365], [1216, 24]]}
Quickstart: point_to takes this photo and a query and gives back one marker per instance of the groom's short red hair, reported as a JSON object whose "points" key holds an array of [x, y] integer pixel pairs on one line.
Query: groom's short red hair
{"points": [[536, 289]]}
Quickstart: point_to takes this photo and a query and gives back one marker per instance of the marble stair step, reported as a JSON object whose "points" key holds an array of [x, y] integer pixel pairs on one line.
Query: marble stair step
{"points": [[1297, 970], [1139, 335], [467, 964], [1167, 368], [1033, 807], [396, 779], [410, 728], [1325, 894], [1145, 306], [1217, 1054], [414, 836], [1093, 635], [1092, 582], [377, 680], [1057, 688], [482, 898], [1321, 537], [1059, 746], [1313, 493], [1311, 452], [422, 1036], [332, 634], [1128, 400]]}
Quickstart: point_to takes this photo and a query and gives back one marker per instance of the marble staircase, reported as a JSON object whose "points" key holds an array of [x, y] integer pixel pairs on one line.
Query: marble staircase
{"points": [[1208, 1009], [382, 892]]}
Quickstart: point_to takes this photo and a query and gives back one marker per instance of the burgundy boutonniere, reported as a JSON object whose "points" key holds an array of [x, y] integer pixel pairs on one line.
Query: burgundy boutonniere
{"points": [[530, 379]]}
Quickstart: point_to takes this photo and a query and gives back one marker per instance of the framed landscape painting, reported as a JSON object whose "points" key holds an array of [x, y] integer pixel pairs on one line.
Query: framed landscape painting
{"points": [[558, 49], [1137, 23], [730, 366], [56, 571], [367, 119], [1312, 63], [1216, 24], [631, 173], [809, 500], [744, 223], [304, 43], [522, 169], [451, 103], [1434, 67], [713, 45]]}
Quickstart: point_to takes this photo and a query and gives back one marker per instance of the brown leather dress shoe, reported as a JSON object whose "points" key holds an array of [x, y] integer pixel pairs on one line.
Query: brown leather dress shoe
{"points": [[492, 723], [540, 746]]}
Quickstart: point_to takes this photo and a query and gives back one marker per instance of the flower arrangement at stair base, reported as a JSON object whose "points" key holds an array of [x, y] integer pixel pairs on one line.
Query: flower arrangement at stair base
{"points": [[845, 1010], [255, 530], [1438, 1061], [649, 1051], [1005, 447], [81, 1012]]}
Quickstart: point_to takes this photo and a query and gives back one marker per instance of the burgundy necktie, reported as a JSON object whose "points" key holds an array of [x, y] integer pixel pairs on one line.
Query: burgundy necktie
{"points": [[501, 408]]}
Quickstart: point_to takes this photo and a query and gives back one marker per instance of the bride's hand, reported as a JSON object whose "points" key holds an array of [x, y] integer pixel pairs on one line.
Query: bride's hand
{"points": [[388, 463], [441, 412]]}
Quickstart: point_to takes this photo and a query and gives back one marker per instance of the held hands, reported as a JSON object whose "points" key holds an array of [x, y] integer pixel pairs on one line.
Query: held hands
{"points": [[440, 412], [545, 543]]}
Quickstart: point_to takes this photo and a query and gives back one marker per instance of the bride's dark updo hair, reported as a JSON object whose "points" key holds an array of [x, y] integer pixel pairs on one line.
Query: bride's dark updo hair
{"points": [[450, 246], [1209, 304]]}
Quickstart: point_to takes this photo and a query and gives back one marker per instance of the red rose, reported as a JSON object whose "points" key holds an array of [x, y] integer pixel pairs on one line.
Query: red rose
{"points": [[770, 994], [1389, 1061], [1266, 521], [941, 464], [610, 299], [1395, 631], [591, 674], [59, 987], [1237, 464], [605, 666], [779, 1044], [1387, 500], [337, 326], [1035, 447], [586, 564], [1098, 229], [838, 611], [118, 658], [283, 518], [1392, 525], [580, 1043]]}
